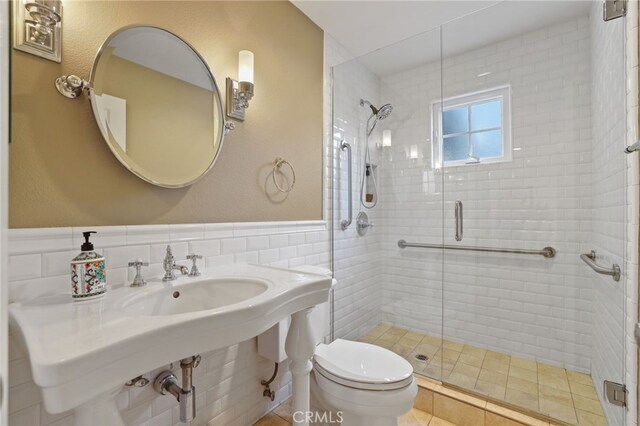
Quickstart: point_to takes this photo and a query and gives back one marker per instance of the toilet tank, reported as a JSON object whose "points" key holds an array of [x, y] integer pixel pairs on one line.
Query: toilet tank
{"points": [[271, 342]]}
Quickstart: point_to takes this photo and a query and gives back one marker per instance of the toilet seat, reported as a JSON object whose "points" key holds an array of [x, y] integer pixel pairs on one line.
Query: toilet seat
{"points": [[362, 366]]}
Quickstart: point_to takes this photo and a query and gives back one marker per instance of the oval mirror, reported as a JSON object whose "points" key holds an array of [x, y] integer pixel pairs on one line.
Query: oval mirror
{"points": [[157, 105]]}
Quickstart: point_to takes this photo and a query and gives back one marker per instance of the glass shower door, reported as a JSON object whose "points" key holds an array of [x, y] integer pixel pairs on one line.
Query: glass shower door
{"points": [[501, 167], [534, 177], [386, 295]]}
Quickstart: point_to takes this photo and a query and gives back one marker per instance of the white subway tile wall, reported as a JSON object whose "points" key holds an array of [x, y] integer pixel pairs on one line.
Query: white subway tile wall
{"points": [[356, 260], [411, 203], [632, 214], [228, 380], [523, 305], [565, 187]]}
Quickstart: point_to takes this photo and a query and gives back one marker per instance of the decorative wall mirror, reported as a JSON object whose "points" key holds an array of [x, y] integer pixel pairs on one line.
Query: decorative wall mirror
{"points": [[156, 103]]}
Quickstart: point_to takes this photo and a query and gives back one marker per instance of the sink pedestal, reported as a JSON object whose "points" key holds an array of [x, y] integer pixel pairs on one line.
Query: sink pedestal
{"points": [[101, 411], [300, 347]]}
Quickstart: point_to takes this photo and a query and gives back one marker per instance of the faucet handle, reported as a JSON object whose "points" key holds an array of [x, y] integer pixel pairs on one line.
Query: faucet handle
{"points": [[138, 281], [169, 254], [194, 268], [197, 358]]}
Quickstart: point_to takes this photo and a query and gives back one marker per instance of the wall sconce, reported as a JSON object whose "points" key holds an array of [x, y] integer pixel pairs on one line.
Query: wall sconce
{"points": [[386, 138], [240, 92], [37, 26], [413, 152]]}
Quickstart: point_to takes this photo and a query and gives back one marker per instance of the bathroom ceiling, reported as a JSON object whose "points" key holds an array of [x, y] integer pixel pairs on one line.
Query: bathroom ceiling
{"points": [[370, 26]]}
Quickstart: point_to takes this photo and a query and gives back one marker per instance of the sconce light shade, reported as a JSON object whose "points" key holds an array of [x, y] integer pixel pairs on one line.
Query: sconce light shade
{"points": [[245, 66], [386, 138], [37, 26], [413, 152], [240, 92]]}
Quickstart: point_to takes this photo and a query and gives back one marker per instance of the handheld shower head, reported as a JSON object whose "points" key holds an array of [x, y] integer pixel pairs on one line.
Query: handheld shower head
{"points": [[384, 111], [381, 113], [378, 113]]}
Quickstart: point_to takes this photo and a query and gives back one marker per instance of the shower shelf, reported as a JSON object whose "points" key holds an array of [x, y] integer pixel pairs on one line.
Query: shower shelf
{"points": [[547, 252]]}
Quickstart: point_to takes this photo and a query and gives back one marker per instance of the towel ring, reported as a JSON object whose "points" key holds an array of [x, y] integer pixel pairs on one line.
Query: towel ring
{"points": [[276, 167]]}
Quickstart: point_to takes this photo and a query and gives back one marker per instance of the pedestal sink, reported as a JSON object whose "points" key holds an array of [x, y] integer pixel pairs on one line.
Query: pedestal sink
{"points": [[209, 293], [81, 353]]}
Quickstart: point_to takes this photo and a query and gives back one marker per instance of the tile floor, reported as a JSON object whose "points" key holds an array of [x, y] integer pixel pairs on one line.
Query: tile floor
{"points": [[561, 394], [281, 416]]}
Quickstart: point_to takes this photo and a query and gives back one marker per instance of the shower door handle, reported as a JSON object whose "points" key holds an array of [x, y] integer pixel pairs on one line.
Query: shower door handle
{"points": [[458, 215]]}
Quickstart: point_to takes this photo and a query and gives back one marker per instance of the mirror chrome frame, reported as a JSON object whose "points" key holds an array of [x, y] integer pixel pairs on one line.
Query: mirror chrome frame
{"points": [[72, 86]]}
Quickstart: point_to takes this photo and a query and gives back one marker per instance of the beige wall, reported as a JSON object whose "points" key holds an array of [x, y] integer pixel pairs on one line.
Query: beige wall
{"points": [[63, 174], [180, 146]]}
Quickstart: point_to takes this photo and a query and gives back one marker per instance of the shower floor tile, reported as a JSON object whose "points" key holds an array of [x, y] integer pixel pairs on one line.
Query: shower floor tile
{"points": [[558, 393]]}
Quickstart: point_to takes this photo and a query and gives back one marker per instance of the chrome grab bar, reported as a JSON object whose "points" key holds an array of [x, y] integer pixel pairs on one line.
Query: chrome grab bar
{"points": [[458, 215], [632, 148], [547, 252], [590, 259], [346, 223]]}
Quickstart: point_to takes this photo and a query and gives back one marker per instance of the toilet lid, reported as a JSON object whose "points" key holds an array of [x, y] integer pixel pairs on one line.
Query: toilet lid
{"points": [[355, 364]]}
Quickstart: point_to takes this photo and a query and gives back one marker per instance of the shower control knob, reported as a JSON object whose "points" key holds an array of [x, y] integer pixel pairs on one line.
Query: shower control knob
{"points": [[363, 224]]}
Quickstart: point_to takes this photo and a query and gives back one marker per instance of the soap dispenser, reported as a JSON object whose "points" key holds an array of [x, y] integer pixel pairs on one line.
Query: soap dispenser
{"points": [[88, 272]]}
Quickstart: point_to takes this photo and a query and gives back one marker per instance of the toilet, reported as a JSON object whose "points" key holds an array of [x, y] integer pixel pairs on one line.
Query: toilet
{"points": [[355, 383]]}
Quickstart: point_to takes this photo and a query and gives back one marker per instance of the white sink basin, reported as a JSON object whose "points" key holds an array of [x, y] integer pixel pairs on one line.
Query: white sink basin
{"points": [[81, 353], [210, 293]]}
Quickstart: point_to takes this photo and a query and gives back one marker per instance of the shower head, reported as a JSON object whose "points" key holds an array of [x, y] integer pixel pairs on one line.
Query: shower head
{"points": [[381, 113], [384, 111], [378, 114]]}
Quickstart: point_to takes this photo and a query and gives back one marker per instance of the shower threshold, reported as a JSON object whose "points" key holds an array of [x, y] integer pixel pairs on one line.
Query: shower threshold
{"points": [[564, 395]]}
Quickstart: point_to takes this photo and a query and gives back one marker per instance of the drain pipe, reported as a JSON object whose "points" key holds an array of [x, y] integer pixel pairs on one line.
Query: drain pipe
{"points": [[167, 383]]}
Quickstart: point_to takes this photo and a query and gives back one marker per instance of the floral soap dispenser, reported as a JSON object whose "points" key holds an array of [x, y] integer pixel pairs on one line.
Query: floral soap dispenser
{"points": [[88, 272]]}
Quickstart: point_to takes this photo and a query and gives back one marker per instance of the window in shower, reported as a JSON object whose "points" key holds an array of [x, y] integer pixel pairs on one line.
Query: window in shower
{"points": [[474, 128]]}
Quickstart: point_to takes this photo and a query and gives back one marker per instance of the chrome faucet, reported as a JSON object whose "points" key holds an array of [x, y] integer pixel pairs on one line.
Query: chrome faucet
{"points": [[170, 266]]}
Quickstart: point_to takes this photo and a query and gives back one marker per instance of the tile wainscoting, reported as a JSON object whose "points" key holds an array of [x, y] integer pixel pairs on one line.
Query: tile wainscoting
{"points": [[228, 380]]}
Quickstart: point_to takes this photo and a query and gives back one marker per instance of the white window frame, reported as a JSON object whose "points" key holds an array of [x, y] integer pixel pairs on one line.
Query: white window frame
{"points": [[502, 93]]}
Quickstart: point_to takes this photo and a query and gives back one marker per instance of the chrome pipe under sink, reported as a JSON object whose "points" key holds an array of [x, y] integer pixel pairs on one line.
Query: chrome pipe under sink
{"points": [[167, 383]]}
